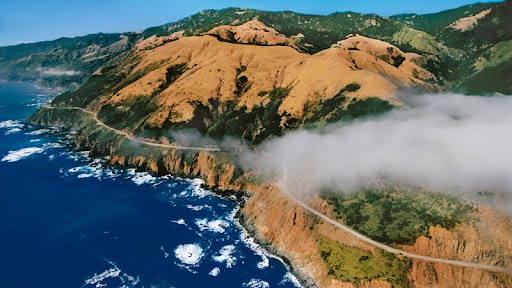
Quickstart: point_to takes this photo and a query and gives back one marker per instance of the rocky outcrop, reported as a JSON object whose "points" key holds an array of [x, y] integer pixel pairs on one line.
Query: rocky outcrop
{"points": [[288, 230], [253, 32]]}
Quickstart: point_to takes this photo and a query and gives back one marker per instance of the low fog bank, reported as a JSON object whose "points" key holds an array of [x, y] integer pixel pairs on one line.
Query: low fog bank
{"points": [[445, 142]]}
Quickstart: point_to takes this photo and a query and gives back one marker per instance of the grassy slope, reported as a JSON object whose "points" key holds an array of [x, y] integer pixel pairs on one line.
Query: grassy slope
{"points": [[351, 264], [396, 216]]}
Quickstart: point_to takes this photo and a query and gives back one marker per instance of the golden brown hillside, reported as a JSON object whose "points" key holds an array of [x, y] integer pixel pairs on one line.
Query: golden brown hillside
{"points": [[177, 76], [253, 32], [255, 92]]}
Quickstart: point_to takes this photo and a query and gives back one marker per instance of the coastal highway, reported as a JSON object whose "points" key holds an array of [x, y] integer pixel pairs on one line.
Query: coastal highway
{"points": [[132, 138], [286, 189]]}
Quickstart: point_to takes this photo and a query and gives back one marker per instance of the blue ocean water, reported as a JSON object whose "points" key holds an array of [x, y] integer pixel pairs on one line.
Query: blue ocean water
{"points": [[67, 220]]}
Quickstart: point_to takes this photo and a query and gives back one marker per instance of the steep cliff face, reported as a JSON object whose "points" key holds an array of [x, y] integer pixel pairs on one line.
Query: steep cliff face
{"points": [[253, 83], [485, 239], [290, 231]]}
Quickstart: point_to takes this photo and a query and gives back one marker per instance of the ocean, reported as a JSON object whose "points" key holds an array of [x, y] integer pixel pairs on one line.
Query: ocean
{"points": [[68, 220]]}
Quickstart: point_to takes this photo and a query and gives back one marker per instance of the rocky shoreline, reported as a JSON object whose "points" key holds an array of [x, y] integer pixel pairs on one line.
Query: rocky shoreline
{"points": [[83, 143], [276, 223]]}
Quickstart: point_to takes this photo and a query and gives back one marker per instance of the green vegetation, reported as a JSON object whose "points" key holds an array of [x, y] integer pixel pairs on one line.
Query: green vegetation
{"points": [[338, 108], [242, 82], [94, 87], [133, 117], [435, 22], [428, 34], [351, 264], [172, 74], [396, 216], [489, 79], [218, 119]]}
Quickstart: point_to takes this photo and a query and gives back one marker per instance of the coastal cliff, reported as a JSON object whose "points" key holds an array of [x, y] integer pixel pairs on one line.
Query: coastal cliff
{"points": [[290, 231], [247, 82]]}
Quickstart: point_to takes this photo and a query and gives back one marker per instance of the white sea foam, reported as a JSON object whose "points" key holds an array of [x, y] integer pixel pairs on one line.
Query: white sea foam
{"points": [[256, 283], [12, 131], [198, 207], [215, 271], [290, 278], [114, 272], [17, 155], [53, 145], [166, 255], [94, 169], [179, 222], [251, 243], [196, 188], [225, 255], [35, 140], [218, 226], [190, 254], [11, 124], [85, 175], [38, 132], [97, 279], [144, 178]]}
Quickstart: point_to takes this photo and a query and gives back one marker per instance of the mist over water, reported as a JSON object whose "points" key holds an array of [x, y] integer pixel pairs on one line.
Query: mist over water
{"points": [[447, 142]]}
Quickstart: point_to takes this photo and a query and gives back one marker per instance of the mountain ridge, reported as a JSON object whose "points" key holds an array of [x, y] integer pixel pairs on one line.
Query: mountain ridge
{"points": [[231, 86], [319, 32]]}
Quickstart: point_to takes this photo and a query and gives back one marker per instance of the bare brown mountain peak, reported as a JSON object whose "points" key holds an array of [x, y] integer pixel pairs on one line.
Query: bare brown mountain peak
{"points": [[155, 41], [409, 63], [215, 70], [253, 32]]}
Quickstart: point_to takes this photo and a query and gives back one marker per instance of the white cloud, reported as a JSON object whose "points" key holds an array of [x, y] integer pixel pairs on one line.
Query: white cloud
{"points": [[442, 141]]}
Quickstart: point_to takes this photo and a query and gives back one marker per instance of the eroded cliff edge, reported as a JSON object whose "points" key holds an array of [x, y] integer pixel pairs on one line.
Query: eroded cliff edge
{"points": [[290, 231]]}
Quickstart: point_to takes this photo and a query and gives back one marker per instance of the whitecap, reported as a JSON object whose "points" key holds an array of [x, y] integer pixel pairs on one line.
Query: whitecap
{"points": [[290, 278], [114, 272], [12, 131], [17, 155], [217, 226], [190, 254], [98, 278], [256, 283], [196, 188], [226, 255], [179, 222], [38, 132], [143, 178], [215, 271], [251, 243], [53, 145], [197, 207], [85, 175], [35, 140], [11, 124], [264, 262], [166, 255]]}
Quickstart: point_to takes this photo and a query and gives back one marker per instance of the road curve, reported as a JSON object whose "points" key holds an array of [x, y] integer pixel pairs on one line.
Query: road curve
{"points": [[286, 190], [130, 137]]}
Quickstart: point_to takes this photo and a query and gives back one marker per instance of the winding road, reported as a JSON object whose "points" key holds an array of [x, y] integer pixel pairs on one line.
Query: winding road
{"points": [[285, 188], [130, 137]]}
